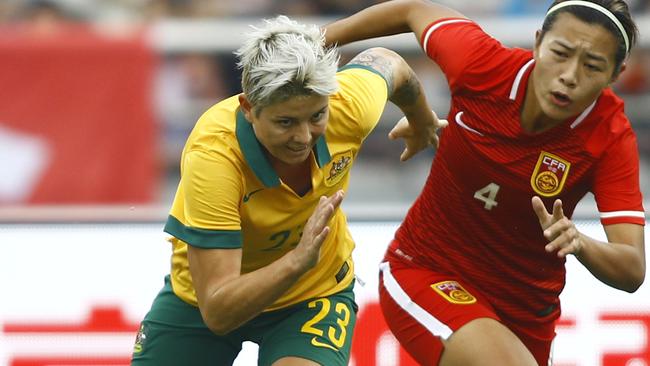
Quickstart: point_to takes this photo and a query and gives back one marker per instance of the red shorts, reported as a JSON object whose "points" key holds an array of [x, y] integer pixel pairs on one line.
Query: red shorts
{"points": [[421, 307]]}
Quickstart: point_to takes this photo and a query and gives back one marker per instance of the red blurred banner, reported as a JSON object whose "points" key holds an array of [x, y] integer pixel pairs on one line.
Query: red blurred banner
{"points": [[76, 117]]}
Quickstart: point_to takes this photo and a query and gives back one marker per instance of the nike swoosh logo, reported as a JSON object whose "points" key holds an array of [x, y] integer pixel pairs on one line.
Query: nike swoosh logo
{"points": [[463, 125], [248, 195], [317, 343]]}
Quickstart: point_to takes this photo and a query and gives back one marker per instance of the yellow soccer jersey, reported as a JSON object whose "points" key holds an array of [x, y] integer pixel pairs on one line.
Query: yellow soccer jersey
{"points": [[229, 196]]}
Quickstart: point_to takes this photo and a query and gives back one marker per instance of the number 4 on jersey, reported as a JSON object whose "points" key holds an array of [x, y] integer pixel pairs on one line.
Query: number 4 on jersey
{"points": [[488, 195]]}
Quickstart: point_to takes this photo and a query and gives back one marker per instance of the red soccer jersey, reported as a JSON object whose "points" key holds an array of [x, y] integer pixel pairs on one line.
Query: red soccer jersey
{"points": [[474, 217]]}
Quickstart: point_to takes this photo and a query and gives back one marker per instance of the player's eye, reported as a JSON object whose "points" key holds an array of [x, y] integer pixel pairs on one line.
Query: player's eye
{"points": [[560, 53], [284, 122], [318, 116]]}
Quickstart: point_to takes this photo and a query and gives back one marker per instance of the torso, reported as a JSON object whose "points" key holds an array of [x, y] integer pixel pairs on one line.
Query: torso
{"points": [[474, 220]]}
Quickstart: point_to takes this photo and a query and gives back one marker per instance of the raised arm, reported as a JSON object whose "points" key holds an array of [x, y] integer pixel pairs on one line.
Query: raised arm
{"points": [[388, 18], [419, 127]]}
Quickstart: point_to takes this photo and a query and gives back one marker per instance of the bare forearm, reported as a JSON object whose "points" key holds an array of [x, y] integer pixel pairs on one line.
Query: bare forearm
{"points": [[365, 24], [409, 96], [245, 296], [387, 18], [617, 265]]}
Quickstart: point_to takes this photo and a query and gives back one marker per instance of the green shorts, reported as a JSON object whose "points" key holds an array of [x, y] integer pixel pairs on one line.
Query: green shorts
{"points": [[174, 334]]}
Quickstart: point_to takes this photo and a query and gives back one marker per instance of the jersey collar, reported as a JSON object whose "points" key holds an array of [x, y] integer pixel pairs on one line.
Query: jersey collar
{"points": [[254, 155]]}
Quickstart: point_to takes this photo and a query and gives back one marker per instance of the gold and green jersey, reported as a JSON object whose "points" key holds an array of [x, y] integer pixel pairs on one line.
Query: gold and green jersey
{"points": [[229, 196]]}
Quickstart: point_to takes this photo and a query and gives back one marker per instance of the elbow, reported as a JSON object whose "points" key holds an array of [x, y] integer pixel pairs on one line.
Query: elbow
{"points": [[219, 326], [219, 329], [635, 283]]}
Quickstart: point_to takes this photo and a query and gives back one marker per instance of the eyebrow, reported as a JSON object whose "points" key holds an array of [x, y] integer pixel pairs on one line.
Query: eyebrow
{"points": [[293, 118], [590, 55]]}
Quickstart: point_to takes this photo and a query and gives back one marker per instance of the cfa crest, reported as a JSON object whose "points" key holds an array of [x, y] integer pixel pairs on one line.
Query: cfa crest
{"points": [[336, 168], [453, 292], [549, 175]]}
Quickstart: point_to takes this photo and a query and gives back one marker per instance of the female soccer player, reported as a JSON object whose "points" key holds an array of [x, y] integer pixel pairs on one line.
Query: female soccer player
{"points": [[473, 274], [261, 251]]}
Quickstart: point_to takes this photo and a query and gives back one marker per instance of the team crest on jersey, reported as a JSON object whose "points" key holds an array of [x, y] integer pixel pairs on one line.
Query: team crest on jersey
{"points": [[337, 167], [550, 174], [139, 340], [453, 292]]}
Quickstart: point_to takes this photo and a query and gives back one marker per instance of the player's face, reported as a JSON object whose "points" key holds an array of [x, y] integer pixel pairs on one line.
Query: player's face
{"points": [[289, 129], [574, 62]]}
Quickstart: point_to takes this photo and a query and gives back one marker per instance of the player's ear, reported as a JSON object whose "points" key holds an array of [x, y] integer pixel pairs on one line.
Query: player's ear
{"points": [[616, 75], [246, 107], [538, 41]]}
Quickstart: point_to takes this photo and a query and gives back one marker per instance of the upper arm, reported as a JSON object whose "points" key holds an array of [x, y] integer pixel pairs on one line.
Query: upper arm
{"points": [[364, 83], [386, 63], [212, 191], [422, 13], [212, 268], [629, 234], [616, 183]]}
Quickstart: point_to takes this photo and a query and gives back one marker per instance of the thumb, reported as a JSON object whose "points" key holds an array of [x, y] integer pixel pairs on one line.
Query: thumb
{"points": [[396, 131], [406, 154]]}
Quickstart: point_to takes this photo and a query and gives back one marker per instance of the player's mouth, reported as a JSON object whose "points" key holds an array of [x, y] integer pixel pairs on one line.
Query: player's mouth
{"points": [[297, 150], [560, 99]]}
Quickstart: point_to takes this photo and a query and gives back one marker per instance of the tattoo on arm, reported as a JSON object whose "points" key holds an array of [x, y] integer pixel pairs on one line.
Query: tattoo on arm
{"points": [[408, 92], [378, 62]]}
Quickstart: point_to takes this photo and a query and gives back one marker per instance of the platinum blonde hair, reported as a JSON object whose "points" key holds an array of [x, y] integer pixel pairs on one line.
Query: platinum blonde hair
{"points": [[285, 59]]}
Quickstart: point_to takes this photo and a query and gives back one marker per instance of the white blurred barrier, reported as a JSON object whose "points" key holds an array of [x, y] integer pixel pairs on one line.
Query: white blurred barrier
{"points": [[74, 294], [226, 35]]}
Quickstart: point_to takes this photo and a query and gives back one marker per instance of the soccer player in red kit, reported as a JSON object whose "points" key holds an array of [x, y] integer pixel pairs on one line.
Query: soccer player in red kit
{"points": [[474, 273]]}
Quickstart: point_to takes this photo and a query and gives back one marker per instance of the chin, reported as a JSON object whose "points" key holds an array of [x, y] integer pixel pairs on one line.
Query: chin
{"points": [[293, 160], [558, 114]]}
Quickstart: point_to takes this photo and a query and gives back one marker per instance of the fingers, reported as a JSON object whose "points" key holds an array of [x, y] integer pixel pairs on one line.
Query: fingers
{"points": [[406, 154], [566, 242], [572, 248], [324, 212], [558, 213], [442, 123], [540, 209], [398, 129], [321, 236], [564, 237]]}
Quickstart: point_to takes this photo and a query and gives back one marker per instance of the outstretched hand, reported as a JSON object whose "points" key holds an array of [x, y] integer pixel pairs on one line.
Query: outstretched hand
{"points": [[307, 252], [417, 138], [560, 231]]}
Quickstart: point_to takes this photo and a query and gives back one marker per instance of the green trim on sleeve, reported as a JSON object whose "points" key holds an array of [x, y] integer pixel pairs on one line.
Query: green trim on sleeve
{"points": [[365, 67], [203, 238]]}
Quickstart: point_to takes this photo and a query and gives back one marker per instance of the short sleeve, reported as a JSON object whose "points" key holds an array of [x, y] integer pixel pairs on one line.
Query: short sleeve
{"points": [[211, 190], [365, 91], [464, 52], [616, 183]]}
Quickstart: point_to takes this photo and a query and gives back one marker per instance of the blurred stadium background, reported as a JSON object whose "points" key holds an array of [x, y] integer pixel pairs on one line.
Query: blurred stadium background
{"points": [[96, 100]]}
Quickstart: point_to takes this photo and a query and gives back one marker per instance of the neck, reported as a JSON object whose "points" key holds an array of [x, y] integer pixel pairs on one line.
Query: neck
{"points": [[533, 119], [296, 176]]}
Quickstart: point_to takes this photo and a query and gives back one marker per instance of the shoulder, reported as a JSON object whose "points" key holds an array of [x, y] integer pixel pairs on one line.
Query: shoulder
{"points": [[371, 65], [607, 125], [216, 128]]}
